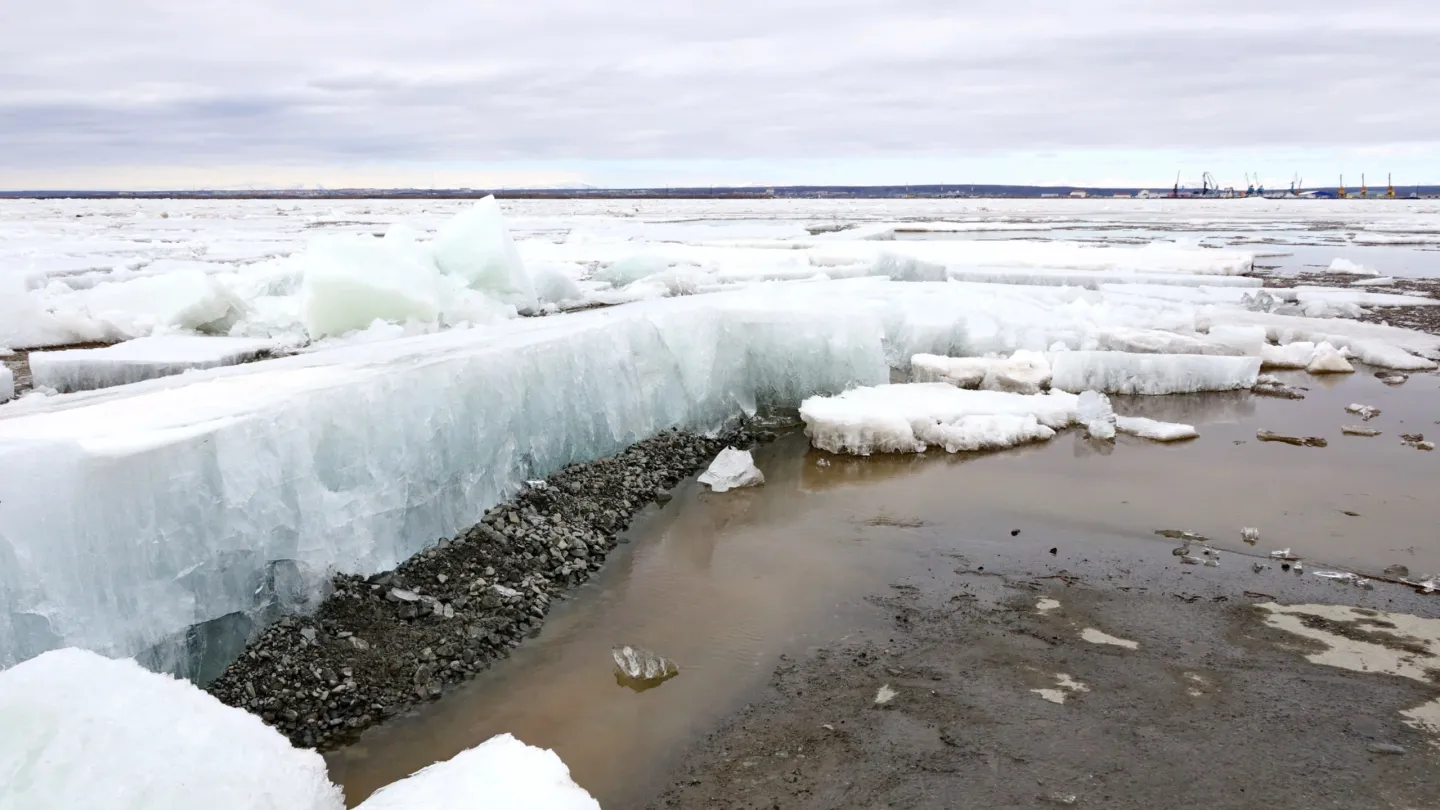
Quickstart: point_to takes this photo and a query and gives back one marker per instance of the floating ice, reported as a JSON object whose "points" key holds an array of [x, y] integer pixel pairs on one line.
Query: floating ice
{"points": [[84, 731], [1155, 430], [1094, 412], [139, 359], [910, 418], [501, 772], [1250, 535], [1357, 430], [1328, 360], [732, 469], [1291, 355], [351, 281], [475, 246], [1365, 412], [640, 664], [1351, 268], [1126, 373]]}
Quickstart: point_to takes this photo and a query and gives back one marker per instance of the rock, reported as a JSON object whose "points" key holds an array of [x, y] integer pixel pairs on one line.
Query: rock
{"points": [[401, 595], [308, 633], [1385, 748], [359, 643], [1397, 572]]}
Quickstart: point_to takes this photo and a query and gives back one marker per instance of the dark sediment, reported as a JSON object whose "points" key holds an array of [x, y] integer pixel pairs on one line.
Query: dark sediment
{"points": [[379, 645]]}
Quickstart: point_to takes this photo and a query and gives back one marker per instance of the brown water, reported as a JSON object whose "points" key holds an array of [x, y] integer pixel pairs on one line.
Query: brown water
{"points": [[725, 584]]}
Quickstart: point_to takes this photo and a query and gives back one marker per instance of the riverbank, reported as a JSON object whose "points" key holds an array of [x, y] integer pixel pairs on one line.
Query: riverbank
{"points": [[379, 645], [1090, 677]]}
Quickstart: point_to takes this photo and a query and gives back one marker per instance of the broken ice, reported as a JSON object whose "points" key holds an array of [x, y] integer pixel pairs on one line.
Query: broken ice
{"points": [[732, 469], [642, 665]]}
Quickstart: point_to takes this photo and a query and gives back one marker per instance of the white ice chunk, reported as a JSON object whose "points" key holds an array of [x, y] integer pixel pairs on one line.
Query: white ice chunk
{"points": [[1242, 340], [187, 300], [732, 469], [1383, 281], [1093, 411], [140, 359], [476, 246], [631, 269], [1156, 341], [1155, 430], [1351, 268], [1125, 373], [1291, 355], [1024, 372], [84, 731], [1328, 360], [351, 281], [553, 285], [501, 772], [7, 383], [910, 418], [1385, 355]]}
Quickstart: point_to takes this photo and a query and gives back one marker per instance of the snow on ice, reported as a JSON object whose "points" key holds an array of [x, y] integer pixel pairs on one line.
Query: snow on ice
{"points": [[82, 730], [140, 359], [1128, 373], [87, 731], [732, 469]]}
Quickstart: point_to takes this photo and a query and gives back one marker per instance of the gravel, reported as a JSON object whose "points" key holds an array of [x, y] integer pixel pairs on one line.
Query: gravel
{"points": [[379, 645]]}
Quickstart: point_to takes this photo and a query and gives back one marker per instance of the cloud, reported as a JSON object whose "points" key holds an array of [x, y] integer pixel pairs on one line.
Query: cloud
{"points": [[87, 84]]}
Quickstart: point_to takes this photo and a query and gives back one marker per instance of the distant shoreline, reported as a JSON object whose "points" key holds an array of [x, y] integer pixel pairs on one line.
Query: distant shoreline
{"points": [[961, 191]]}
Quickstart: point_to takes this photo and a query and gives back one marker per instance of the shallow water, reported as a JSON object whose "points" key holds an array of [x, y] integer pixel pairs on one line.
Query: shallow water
{"points": [[724, 584]]}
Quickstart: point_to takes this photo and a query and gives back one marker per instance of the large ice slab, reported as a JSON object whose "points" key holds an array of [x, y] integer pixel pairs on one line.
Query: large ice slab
{"points": [[1024, 372], [130, 514], [351, 281], [476, 246], [140, 359], [1126, 373], [501, 772], [78, 730], [912, 417]]}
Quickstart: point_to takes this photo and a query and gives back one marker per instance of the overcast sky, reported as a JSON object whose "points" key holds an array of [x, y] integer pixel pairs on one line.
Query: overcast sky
{"points": [[221, 93]]}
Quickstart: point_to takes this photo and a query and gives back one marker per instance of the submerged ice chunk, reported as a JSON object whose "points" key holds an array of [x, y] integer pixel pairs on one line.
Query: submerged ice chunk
{"points": [[501, 772], [732, 469], [83, 731], [910, 418], [1093, 411], [1155, 430], [1126, 373], [352, 281], [139, 359], [476, 246], [640, 664]]}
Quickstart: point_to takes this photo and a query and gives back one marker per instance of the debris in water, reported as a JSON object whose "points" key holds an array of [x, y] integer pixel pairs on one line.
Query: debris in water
{"points": [[1061, 798], [1188, 537], [1250, 535], [1182, 551], [1356, 430], [1391, 377], [1298, 441], [884, 695], [1212, 563], [1055, 550], [1268, 386], [1349, 513], [1338, 576], [1188, 560], [732, 469], [1014, 532], [1258, 567], [1283, 554], [1365, 412], [641, 669], [1397, 571], [824, 462]]}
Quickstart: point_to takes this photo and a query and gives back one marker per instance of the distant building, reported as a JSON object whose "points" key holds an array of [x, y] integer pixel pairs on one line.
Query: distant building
{"points": [[1121, 195], [1146, 194], [1049, 195], [1079, 195]]}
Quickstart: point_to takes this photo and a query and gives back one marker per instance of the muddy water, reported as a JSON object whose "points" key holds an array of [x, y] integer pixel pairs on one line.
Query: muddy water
{"points": [[725, 584]]}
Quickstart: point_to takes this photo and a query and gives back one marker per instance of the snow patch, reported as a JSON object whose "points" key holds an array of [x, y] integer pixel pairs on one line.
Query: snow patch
{"points": [[1094, 636]]}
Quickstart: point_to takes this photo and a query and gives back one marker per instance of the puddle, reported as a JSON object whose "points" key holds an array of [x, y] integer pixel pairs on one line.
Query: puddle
{"points": [[724, 584], [1370, 641]]}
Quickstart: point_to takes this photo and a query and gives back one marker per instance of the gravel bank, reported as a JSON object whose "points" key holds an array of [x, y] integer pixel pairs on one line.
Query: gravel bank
{"points": [[381, 644]]}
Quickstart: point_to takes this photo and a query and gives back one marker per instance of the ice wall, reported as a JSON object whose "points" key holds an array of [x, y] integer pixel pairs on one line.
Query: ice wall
{"points": [[131, 514], [78, 730]]}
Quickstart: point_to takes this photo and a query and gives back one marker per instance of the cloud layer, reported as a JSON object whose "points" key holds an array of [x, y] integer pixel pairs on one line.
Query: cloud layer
{"points": [[85, 83]]}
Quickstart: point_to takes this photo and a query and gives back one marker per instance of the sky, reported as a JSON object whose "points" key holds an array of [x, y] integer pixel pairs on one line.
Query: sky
{"points": [[445, 93]]}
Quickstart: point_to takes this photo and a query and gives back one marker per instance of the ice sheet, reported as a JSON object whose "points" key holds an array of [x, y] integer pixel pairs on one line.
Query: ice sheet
{"points": [[912, 417], [501, 772], [133, 513], [1124, 373], [140, 359], [84, 731]]}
